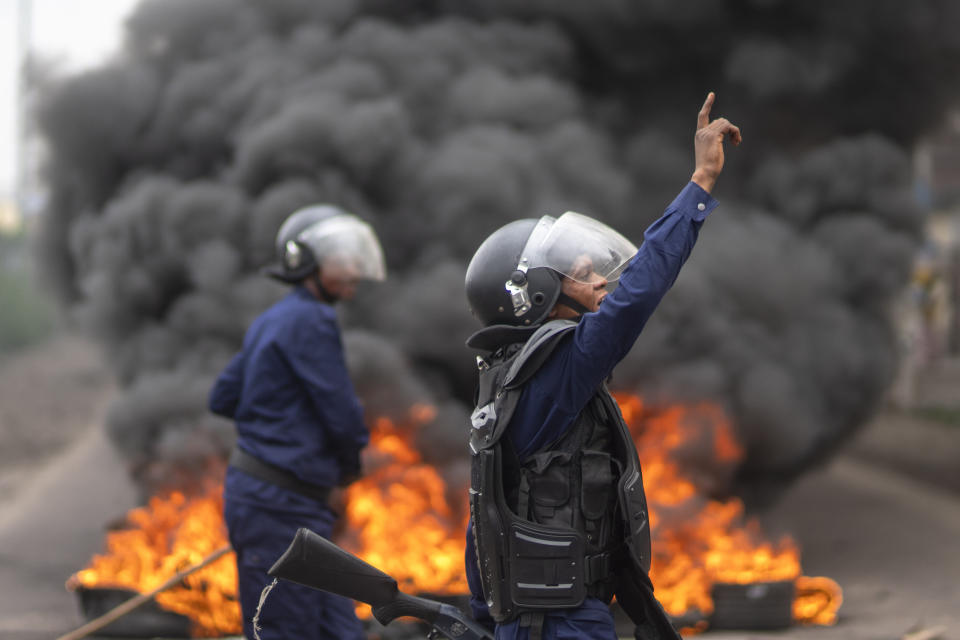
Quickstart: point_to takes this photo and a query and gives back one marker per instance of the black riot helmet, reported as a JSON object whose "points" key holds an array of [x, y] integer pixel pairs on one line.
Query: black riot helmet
{"points": [[320, 233], [515, 276], [499, 292]]}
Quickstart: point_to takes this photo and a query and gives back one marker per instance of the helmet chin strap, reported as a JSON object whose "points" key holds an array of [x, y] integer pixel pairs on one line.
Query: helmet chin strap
{"points": [[566, 300], [325, 295]]}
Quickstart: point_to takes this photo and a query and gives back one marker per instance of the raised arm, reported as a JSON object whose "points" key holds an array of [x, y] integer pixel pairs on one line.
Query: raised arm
{"points": [[605, 336]]}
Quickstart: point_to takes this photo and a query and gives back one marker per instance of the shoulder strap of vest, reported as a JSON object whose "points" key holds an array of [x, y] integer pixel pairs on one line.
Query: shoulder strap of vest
{"points": [[536, 351], [500, 383]]}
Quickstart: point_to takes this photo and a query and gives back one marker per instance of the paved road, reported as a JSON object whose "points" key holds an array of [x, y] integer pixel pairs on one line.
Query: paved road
{"points": [[51, 529], [892, 543]]}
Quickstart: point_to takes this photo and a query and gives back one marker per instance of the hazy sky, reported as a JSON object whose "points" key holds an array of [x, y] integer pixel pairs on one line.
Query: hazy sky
{"points": [[75, 33]]}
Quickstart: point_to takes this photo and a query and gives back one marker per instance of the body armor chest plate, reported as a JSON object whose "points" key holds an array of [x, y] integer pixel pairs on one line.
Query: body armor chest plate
{"points": [[549, 528]]}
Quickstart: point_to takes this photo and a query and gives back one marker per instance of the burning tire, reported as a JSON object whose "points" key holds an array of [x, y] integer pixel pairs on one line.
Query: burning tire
{"points": [[148, 621], [755, 606]]}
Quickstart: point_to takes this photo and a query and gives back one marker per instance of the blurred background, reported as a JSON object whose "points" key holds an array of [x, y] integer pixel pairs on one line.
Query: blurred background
{"points": [[151, 149]]}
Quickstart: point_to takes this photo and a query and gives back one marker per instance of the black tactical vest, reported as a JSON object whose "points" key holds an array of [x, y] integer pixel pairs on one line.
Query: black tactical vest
{"points": [[568, 521]]}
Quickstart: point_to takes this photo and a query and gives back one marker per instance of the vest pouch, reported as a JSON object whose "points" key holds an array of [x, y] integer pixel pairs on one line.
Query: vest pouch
{"points": [[546, 480], [546, 566], [596, 484]]}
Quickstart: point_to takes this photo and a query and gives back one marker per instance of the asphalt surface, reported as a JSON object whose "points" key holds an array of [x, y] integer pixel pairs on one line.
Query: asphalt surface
{"points": [[51, 529]]}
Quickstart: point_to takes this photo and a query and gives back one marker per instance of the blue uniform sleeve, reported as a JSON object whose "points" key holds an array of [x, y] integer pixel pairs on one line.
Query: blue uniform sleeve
{"points": [[315, 353], [225, 394], [560, 390], [604, 337]]}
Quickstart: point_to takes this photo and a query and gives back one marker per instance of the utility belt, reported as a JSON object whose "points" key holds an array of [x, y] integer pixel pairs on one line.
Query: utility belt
{"points": [[267, 472]]}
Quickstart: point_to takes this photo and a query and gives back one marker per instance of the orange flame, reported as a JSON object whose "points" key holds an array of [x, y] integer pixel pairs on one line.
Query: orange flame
{"points": [[699, 542], [818, 600], [399, 518], [170, 533]]}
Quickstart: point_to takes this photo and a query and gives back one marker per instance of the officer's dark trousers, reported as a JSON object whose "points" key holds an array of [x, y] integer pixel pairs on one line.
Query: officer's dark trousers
{"points": [[591, 621], [291, 611]]}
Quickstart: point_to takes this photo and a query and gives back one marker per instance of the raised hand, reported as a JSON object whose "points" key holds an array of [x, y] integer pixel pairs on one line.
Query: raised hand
{"points": [[708, 144]]}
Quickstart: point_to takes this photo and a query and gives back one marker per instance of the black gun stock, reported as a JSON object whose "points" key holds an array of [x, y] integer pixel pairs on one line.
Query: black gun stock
{"points": [[315, 562]]}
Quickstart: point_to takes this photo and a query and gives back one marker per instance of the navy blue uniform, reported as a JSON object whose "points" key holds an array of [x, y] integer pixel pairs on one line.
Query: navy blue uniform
{"points": [[558, 392], [295, 408]]}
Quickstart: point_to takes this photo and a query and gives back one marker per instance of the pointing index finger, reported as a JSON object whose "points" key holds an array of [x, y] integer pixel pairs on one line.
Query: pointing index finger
{"points": [[703, 118]]}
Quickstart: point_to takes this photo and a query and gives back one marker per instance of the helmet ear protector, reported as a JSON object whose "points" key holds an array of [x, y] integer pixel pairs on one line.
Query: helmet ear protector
{"points": [[523, 301], [516, 286], [296, 263], [533, 293]]}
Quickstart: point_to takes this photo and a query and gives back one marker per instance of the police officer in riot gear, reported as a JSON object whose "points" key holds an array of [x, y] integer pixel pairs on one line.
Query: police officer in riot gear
{"points": [[300, 428], [559, 523]]}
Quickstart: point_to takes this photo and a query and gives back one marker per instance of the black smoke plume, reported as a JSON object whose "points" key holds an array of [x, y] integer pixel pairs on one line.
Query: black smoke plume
{"points": [[171, 167]]}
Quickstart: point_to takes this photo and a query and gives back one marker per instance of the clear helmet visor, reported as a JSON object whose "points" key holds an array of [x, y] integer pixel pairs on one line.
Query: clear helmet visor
{"points": [[346, 247], [579, 247]]}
